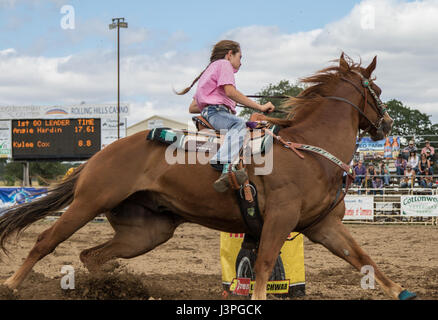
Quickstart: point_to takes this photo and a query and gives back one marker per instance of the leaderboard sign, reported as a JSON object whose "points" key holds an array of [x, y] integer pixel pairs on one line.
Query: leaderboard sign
{"points": [[55, 139]]}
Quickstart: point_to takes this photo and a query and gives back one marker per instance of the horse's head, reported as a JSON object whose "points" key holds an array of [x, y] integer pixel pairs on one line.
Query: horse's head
{"points": [[374, 117]]}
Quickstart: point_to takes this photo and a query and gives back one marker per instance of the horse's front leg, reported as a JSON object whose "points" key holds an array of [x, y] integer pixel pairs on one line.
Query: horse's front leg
{"points": [[333, 235], [281, 217]]}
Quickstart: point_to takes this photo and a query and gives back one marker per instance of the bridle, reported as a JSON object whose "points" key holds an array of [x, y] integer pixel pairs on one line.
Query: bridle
{"points": [[379, 106]]}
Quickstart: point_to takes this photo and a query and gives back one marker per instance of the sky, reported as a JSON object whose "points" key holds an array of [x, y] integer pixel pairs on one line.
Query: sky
{"points": [[56, 52]]}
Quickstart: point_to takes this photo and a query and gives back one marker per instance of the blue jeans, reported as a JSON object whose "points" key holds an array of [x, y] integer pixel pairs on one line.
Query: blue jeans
{"points": [[220, 118], [386, 180], [400, 171]]}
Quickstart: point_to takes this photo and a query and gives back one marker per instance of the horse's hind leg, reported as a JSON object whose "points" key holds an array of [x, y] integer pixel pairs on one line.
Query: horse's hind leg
{"points": [[135, 235], [333, 235], [76, 216]]}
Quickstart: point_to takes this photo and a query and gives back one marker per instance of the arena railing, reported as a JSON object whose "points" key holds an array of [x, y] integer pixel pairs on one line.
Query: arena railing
{"points": [[396, 180], [387, 205]]}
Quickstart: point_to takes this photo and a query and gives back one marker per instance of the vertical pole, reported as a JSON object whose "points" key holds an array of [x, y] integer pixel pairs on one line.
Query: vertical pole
{"points": [[26, 175], [118, 79]]}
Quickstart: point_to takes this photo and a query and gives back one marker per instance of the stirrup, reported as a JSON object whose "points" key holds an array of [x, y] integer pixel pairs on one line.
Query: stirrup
{"points": [[222, 184]]}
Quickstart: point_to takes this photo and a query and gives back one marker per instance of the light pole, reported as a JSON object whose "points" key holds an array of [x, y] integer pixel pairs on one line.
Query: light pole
{"points": [[118, 23]]}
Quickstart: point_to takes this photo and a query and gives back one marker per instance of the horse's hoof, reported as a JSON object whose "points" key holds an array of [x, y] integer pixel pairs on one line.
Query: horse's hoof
{"points": [[407, 295]]}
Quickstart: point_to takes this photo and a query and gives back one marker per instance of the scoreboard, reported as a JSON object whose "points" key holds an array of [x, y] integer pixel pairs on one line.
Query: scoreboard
{"points": [[55, 139]]}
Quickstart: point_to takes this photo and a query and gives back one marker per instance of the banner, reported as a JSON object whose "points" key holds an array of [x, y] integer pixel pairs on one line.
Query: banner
{"points": [[17, 195], [72, 111], [419, 206], [388, 148], [109, 130], [5, 139], [359, 207], [287, 279]]}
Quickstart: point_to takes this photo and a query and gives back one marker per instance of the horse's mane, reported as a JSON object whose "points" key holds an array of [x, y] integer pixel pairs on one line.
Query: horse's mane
{"points": [[319, 85]]}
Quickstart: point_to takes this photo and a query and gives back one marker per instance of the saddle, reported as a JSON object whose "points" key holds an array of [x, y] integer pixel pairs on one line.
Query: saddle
{"points": [[208, 140]]}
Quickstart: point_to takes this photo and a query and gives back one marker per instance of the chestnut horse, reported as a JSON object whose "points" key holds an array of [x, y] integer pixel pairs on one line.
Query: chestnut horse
{"points": [[145, 198]]}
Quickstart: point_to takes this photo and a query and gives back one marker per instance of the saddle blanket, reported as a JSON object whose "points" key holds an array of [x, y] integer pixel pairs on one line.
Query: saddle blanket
{"points": [[208, 140]]}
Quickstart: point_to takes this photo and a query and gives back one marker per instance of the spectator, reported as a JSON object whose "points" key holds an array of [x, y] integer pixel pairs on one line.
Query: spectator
{"points": [[409, 177], [427, 182], [353, 163], [400, 165], [377, 184], [413, 161], [431, 159], [423, 165], [384, 172], [360, 172], [428, 147], [370, 175], [411, 147]]}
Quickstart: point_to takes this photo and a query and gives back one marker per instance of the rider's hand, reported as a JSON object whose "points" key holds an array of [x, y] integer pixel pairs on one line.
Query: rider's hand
{"points": [[267, 107]]}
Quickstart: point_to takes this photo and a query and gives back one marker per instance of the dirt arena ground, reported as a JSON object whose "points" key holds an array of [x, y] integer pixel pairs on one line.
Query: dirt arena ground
{"points": [[188, 266]]}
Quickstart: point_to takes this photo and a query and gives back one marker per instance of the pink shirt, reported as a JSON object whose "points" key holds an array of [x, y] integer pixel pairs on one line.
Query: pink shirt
{"points": [[210, 86], [432, 150]]}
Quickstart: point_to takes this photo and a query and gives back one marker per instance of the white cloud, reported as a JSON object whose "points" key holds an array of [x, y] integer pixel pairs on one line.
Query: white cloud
{"points": [[403, 39], [7, 52], [134, 36], [398, 27]]}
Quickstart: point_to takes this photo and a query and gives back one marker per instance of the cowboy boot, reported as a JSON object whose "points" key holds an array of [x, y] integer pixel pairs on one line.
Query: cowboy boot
{"points": [[222, 184]]}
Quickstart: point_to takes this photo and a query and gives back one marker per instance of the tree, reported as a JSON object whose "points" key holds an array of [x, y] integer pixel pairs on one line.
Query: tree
{"points": [[11, 171], [283, 88], [45, 172], [408, 121]]}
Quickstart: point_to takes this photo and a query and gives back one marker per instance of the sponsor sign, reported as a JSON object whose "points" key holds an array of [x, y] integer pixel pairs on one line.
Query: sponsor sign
{"points": [[241, 286], [238, 277], [245, 287], [387, 148], [12, 196], [109, 130], [73, 111], [359, 207], [5, 139], [421, 205]]}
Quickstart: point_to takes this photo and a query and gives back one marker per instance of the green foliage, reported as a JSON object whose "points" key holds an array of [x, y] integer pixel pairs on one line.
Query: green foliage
{"points": [[45, 172], [284, 87], [11, 171], [408, 121]]}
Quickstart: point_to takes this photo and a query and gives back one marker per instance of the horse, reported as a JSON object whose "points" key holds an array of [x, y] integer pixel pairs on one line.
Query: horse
{"points": [[145, 198]]}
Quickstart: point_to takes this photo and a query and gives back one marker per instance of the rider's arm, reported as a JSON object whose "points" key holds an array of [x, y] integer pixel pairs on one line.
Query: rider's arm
{"points": [[194, 107], [239, 97]]}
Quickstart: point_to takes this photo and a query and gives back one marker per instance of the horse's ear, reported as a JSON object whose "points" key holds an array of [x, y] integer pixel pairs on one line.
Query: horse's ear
{"points": [[369, 70], [342, 63]]}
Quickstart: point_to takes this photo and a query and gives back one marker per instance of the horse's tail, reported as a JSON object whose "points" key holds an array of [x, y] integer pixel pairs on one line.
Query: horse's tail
{"points": [[17, 218]]}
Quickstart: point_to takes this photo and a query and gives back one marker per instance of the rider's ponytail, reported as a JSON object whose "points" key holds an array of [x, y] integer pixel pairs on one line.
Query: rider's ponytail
{"points": [[219, 51]]}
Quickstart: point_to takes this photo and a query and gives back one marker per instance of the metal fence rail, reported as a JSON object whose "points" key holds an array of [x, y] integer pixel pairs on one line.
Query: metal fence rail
{"points": [[387, 205]]}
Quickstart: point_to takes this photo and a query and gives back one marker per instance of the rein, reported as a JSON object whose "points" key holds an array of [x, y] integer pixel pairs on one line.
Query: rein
{"points": [[267, 97]]}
